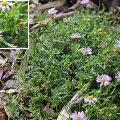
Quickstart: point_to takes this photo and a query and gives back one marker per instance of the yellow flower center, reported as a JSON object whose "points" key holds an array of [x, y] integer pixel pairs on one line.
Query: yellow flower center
{"points": [[80, 50], [99, 30], [119, 76], [90, 97], [100, 33], [77, 117], [21, 24], [103, 80], [75, 36], [52, 10], [4, 3], [43, 86], [30, 5], [39, 22], [54, 15], [15, 53], [84, 19], [108, 57], [100, 113], [114, 49], [102, 46], [114, 108], [86, 51]]}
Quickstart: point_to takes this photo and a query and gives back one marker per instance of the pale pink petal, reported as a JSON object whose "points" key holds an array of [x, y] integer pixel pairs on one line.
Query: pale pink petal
{"points": [[84, 1], [106, 83], [99, 80], [86, 100], [11, 4], [3, 8], [101, 84], [8, 8], [95, 99]]}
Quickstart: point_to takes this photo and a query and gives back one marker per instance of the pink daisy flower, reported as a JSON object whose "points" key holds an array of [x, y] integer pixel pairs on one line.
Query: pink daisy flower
{"points": [[84, 1], [90, 99], [104, 79], [75, 35], [117, 76], [52, 11], [118, 43], [86, 51], [78, 116], [13, 53]]}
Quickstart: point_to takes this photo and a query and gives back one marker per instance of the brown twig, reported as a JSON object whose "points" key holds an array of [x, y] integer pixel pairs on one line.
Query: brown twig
{"points": [[49, 5], [75, 6], [5, 61], [58, 16], [92, 4], [114, 5], [118, 8]]}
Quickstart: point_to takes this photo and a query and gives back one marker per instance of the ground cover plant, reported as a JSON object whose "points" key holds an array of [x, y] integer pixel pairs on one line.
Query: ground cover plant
{"points": [[64, 56], [13, 24]]}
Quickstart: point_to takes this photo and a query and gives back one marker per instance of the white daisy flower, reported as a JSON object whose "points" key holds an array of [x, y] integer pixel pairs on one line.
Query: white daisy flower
{"points": [[52, 11], [5, 5]]}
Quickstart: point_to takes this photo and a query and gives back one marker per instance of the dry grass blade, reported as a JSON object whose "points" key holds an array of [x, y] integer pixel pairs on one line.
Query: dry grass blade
{"points": [[118, 8], [35, 1], [77, 98], [52, 4], [48, 110], [2, 112], [92, 4]]}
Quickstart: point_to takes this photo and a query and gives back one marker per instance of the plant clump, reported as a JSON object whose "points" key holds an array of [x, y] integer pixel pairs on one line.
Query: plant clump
{"points": [[58, 67]]}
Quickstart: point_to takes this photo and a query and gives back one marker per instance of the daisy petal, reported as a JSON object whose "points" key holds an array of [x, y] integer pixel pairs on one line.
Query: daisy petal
{"points": [[3, 9]]}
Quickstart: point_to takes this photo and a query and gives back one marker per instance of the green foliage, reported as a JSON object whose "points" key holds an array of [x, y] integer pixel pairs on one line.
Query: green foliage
{"points": [[57, 69], [14, 26]]}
